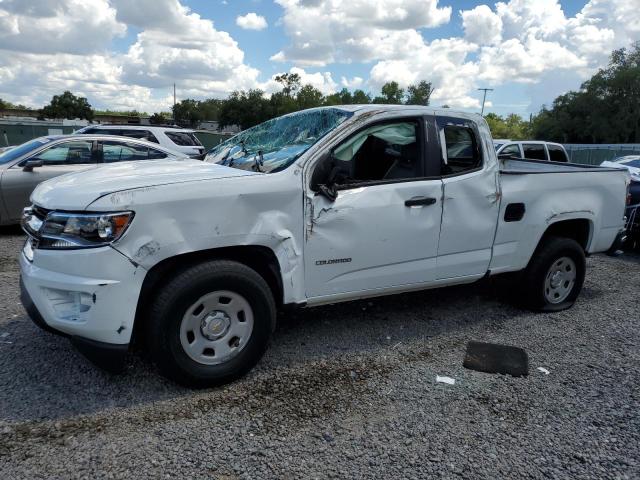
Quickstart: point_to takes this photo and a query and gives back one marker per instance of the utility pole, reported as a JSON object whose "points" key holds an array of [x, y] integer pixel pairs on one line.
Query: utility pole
{"points": [[174, 103], [484, 97]]}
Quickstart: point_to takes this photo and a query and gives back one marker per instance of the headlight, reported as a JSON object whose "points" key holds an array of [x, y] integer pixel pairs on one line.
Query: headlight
{"points": [[82, 230]]}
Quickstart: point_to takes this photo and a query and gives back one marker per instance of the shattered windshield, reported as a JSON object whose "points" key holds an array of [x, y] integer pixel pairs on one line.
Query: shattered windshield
{"points": [[275, 144]]}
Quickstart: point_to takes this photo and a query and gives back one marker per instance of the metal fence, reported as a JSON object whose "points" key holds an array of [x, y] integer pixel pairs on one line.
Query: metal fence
{"points": [[589, 154], [211, 139], [15, 134]]}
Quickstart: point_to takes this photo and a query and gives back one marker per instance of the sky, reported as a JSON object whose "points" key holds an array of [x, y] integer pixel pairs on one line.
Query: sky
{"points": [[127, 54]]}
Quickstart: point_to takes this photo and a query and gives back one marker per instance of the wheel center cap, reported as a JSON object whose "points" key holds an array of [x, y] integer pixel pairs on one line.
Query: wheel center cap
{"points": [[215, 325], [556, 279]]}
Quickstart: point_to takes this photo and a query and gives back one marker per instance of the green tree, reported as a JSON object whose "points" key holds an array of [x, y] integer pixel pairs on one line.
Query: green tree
{"points": [[160, 118], [361, 98], [308, 97], [210, 108], [5, 104], [68, 106], [604, 110], [245, 108], [391, 94], [187, 112], [512, 126], [290, 83], [419, 94]]}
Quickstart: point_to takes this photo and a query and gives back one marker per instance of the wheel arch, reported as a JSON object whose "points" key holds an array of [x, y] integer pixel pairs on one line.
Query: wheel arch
{"points": [[259, 258], [578, 229]]}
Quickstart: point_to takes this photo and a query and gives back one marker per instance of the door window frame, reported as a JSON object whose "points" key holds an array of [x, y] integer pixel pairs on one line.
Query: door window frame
{"points": [[100, 152], [507, 145], [544, 147], [442, 122], [558, 148], [32, 155], [424, 131]]}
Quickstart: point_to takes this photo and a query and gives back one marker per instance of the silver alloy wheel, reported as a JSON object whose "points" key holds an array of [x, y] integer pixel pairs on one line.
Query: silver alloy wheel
{"points": [[217, 327], [560, 280]]}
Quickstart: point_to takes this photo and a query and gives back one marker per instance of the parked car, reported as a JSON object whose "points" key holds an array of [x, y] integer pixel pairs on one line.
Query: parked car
{"points": [[631, 163], [25, 166], [316, 207], [177, 139], [532, 150]]}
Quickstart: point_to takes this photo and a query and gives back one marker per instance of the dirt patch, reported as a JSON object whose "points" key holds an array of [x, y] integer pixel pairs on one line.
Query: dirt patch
{"points": [[316, 391]]}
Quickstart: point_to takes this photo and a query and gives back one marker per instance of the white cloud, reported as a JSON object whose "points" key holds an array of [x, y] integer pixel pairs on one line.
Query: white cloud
{"points": [[442, 62], [70, 43], [58, 26], [522, 41], [179, 46], [323, 81], [251, 21], [481, 25], [353, 83], [327, 31], [174, 45]]}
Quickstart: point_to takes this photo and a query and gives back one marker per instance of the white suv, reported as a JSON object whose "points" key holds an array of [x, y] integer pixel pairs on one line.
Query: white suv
{"points": [[174, 138], [532, 150]]}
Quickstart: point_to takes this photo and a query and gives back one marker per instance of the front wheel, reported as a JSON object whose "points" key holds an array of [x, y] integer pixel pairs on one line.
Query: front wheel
{"points": [[554, 277], [211, 324]]}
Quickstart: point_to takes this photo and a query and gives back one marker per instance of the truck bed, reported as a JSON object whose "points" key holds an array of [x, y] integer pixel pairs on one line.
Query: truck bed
{"points": [[592, 195], [518, 166]]}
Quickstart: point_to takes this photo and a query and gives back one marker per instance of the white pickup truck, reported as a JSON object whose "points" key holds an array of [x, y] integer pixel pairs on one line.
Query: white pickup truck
{"points": [[320, 206]]}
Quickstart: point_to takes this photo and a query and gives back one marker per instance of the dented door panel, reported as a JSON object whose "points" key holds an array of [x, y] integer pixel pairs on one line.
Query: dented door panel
{"points": [[368, 239]]}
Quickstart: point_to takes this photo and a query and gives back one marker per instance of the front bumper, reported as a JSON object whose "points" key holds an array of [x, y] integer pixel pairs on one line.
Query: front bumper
{"points": [[108, 356], [61, 294]]}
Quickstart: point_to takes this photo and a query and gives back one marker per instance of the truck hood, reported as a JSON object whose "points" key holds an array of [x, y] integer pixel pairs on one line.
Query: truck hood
{"points": [[75, 191]]}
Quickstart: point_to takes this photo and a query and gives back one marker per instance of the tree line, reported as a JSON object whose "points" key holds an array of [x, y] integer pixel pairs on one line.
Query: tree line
{"points": [[605, 109], [247, 108]]}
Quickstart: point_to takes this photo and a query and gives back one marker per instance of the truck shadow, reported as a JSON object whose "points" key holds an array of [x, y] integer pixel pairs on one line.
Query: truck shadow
{"points": [[6, 230], [44, 378]]}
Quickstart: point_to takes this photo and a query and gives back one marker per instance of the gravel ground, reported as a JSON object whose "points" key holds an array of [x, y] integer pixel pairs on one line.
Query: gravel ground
{"points": [[345, 391]]}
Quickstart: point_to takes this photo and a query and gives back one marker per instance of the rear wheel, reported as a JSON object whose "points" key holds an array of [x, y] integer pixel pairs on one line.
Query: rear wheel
{"points": [[553, 279], [211, 324]]}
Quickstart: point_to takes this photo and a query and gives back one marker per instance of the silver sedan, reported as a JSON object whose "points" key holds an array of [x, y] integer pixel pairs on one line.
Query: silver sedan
{"points": [[25, 166]]}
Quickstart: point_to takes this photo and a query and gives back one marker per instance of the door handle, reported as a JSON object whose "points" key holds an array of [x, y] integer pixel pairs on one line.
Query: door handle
{"points": [[415, 201]]}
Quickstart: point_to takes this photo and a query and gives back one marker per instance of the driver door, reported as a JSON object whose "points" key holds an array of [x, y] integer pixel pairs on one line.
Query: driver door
{"points": [[64, 157], [382, 229]]}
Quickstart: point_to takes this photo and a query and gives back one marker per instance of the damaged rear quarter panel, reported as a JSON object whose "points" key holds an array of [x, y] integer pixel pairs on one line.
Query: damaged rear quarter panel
{"points": [[259, 210], [553, 197]]}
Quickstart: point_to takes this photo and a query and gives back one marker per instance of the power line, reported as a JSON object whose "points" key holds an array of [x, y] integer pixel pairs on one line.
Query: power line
{"points": [[484, 97]]}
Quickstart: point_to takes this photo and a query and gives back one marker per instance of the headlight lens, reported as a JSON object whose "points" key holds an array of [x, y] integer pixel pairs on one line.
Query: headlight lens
{"points": [[82, 230]]}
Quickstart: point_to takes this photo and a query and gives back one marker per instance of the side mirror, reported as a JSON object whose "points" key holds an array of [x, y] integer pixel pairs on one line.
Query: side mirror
{"points": [[29, 165], [507, 156], [328, 189]]}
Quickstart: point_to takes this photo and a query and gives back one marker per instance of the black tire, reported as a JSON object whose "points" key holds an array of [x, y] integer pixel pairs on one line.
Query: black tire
{"points": [[172, 302], [532, 284]]}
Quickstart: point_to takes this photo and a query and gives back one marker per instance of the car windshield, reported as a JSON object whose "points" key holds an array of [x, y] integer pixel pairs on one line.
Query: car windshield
{"points": [[498, 145], [20, 150], [275, 144]]}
